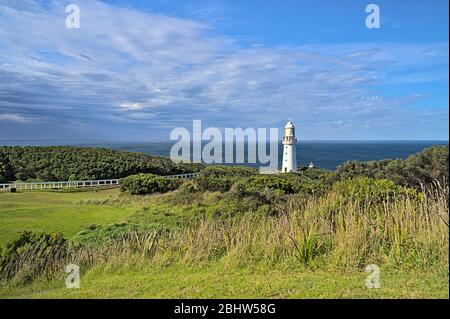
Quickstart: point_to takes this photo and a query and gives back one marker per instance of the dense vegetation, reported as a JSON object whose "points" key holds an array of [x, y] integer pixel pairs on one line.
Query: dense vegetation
{"points": [[381, 224], [221, 178], [245, 179], [141, 184], [418, 170], [364, 213], [57, 163]]}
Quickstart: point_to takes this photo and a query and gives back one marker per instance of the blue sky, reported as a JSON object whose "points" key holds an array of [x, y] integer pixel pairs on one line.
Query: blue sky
{"points": [[137, 69]]}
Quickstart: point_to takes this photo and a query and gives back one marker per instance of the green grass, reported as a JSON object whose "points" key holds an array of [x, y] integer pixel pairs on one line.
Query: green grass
{"points": [[217, 281], [71, 210], [182, 267], [56, 211]]}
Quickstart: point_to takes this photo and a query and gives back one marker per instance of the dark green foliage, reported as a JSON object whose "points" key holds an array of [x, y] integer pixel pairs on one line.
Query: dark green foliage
{"points": [[286, 183], [81, 163], [34, 252], [221, 178], [248, 180], [373, 191], [316, 174], [222, 171], [421, 169], [141, 184], [5, 167], [216, 184], [374, 169]]}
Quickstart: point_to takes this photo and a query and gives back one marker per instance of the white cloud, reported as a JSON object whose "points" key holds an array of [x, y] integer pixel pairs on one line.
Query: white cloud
{"points": [[131, 106], [183, 70], [15, 118]]}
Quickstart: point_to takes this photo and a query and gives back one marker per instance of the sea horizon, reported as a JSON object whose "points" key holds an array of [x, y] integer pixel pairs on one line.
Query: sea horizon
{"points": [[326, 154]]}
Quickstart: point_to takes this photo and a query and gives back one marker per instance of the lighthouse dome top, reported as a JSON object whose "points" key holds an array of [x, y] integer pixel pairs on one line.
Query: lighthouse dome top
{"points": [[289, 124]]}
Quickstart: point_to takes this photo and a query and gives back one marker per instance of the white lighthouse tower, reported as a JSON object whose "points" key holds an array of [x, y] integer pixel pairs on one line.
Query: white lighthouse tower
{"points": [[289, 153]]}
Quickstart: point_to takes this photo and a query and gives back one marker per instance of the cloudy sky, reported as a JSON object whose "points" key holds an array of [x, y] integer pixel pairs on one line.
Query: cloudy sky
{"points": [[135, 70]]}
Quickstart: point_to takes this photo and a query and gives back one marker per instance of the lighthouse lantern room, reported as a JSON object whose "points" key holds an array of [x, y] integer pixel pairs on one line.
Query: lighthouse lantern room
{"points": [[289, 153]]}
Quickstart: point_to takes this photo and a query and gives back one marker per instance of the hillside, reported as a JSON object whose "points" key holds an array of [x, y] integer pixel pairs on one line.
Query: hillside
{"points": [[81, 163]]}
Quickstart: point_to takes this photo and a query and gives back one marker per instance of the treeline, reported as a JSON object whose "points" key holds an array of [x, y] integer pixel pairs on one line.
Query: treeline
{"points": [[419, 170], [81, 163]]}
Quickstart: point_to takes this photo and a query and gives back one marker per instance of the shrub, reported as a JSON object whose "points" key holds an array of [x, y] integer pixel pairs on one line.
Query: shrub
{"points": [[216, 184], [286, 183], [221, 171], [141, 184], [316, 174], [373, 191], [221, 178], [32, 254], [188, 187], [418, 170]]}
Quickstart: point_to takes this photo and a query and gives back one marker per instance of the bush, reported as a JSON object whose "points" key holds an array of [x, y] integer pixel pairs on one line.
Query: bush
{"points": [[141, 184], [188, 187], [316, 174], [216, 184], [222, 171], [373, 191], [418, 170], [221, 178], [286, 183], [32, 254]]}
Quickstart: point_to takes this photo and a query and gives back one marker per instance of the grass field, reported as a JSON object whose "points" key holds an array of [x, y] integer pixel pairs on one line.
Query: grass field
{"points": [[217, 281], [55, 211], [70, 212]]}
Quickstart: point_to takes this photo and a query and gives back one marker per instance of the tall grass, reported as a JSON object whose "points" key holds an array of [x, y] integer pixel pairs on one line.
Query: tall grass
{"points": [[327, 232]]}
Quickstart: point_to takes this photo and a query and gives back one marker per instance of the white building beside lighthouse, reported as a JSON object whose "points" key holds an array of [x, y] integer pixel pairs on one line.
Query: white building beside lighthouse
{"points": [[289, 152]]}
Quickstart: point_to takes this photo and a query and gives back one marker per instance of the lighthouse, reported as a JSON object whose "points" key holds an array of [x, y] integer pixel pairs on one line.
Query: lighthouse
{"points": [[289, 153]]}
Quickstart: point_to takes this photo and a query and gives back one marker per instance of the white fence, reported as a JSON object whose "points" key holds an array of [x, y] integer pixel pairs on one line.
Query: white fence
{"points": [[66, 184], [72, 184]]}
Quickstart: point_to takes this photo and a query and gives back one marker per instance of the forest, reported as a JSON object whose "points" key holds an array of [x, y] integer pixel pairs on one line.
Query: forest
{"points": [[38, 163], [61, 163]]}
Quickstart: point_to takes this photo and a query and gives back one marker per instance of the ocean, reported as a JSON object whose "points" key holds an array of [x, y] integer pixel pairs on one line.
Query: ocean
{"points": [[323, 154]]}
